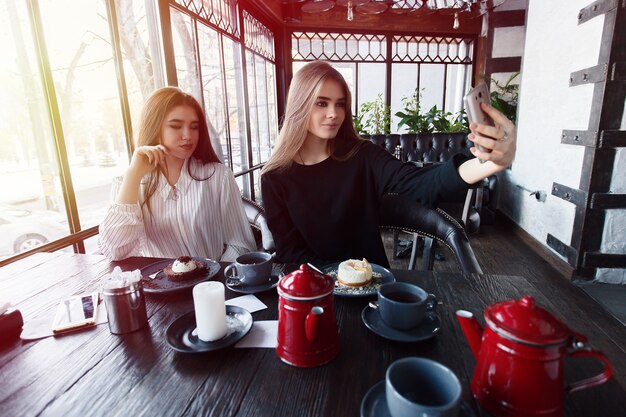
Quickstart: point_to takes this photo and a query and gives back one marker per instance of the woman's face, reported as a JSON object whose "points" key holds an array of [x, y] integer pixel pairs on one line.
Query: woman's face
{"points": [[329, 111], [180, 131]]}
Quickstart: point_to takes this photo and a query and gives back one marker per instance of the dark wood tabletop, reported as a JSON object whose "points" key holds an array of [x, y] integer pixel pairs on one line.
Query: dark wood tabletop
{"points": [[96, 373]]}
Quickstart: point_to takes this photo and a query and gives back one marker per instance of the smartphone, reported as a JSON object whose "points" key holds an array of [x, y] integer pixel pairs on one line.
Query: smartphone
{"points": [[478, 94], [76, 312]]}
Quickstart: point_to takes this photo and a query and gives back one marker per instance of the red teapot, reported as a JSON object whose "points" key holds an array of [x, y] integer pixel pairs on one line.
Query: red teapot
{"points": [[307, 329], [520, 355]]}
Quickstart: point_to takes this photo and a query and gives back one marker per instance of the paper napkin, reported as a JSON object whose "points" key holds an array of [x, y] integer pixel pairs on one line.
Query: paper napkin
{"points": [[263, 334]]}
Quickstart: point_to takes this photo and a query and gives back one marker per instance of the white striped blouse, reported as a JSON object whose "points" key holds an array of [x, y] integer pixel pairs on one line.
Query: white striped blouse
{"points": [[193, 218]]}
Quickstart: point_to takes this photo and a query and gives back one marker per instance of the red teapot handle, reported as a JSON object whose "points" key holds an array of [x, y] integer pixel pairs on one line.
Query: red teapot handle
{"points": [[312, 323], [594, 380]]}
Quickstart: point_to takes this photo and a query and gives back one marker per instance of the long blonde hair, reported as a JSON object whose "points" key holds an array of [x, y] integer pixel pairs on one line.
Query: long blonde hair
{"points": [[153, 114], [303, 93]]}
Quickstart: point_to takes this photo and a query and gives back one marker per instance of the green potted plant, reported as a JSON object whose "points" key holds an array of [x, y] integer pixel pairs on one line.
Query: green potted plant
{"points": [[505, 95], [373, 118], [412, 117]]}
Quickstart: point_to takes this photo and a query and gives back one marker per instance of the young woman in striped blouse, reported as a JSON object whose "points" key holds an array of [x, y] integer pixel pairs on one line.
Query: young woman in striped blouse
{"points": [[176, 198]]}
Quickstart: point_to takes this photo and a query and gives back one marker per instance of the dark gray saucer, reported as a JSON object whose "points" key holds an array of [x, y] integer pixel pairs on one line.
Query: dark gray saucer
{"points": [[428, 328], [253, 289], [380, 275], [180, 334], [161, 284], [374, 404]]}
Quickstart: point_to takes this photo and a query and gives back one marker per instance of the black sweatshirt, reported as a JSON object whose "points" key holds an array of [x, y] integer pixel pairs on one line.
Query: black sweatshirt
{"points": [[329, 212]]}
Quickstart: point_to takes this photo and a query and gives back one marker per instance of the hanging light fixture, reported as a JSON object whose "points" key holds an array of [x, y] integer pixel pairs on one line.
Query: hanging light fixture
{"points": [[350, 5], [460, 9]]}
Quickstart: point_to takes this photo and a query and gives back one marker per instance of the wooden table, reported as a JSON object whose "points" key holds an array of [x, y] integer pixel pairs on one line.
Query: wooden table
{"points": [[96, 373]]}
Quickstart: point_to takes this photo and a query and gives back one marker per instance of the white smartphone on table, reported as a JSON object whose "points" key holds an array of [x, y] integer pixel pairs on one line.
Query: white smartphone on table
{"points": [[478, 94], [76, 312]]}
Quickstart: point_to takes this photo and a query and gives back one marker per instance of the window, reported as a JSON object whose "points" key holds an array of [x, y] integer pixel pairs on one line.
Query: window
{"points": [[240, 105], [67, 114], [75, 75], [440, 67]]}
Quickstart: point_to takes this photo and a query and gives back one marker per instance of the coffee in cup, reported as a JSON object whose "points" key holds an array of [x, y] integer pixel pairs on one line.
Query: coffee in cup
{"points": [[403, 306], [253, 268], [422, 387]]}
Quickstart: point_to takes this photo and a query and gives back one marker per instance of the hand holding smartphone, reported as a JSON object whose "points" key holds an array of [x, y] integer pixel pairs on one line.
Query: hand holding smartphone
{"points": [[478, 94], [76, 312]]}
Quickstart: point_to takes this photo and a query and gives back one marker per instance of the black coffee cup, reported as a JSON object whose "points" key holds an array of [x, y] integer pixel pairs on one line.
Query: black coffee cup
{"points": [[403, 306]]}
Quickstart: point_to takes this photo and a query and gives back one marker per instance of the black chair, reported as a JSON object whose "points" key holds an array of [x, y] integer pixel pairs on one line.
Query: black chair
{"points": [[400, 213], [258, 223]]}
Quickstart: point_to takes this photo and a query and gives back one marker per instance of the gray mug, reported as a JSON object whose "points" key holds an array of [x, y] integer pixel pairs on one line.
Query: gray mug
{"points": [[422, 387], [403, 306], [252, 268]]}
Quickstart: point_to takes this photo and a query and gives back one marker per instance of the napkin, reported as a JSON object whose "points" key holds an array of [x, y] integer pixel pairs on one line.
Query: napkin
{"points": [[41, 327], [249, 302], [120, 279], [263, 334], [4, 306]]}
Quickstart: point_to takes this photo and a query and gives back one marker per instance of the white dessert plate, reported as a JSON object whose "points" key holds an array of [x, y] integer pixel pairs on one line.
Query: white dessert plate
{"points": [[161, 284], [380, 275], [181, 334]]}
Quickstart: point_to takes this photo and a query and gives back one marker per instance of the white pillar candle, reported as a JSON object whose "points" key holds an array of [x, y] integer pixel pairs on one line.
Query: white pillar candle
{"points": [[210, 308]]}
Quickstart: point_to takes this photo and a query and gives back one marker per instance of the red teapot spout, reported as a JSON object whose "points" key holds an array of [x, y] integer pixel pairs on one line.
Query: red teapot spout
{"points": [[472, 330]]}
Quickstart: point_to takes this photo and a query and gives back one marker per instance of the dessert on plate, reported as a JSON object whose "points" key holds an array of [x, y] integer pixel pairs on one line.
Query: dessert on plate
{"points": [[354, 273], [184, 268]]}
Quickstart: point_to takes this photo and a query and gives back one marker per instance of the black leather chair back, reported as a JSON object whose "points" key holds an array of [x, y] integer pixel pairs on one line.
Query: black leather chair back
{"points": [[425, 147], [398, 212]]}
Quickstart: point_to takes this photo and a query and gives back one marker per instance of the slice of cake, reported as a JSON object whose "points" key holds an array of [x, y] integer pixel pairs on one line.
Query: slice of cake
{"points": [[184, 268], [354, 273]]}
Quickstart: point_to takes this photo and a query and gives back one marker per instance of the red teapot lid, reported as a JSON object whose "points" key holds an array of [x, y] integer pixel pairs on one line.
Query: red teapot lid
{"points": [[305, 283], [524, 321]]}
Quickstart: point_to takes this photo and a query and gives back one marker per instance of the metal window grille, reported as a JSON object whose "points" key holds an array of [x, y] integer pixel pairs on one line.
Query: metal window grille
{"points": [[307, 46], [258, 37], [338, 47], [220, 13], [428, 49]]}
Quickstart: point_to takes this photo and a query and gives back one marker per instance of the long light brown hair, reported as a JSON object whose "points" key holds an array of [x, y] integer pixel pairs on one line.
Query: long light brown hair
{"points": [[303, 92], [153, 114]]}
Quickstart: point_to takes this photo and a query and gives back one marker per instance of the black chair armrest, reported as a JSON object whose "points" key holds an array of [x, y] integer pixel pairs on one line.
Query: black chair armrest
{"points": [[400, 212]]}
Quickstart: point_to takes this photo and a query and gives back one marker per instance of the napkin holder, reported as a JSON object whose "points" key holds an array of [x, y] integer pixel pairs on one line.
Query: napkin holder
{"points": [[11, 323]]}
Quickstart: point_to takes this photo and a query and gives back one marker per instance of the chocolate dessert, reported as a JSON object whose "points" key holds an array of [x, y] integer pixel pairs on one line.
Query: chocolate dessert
{"points": [[184, 268]]}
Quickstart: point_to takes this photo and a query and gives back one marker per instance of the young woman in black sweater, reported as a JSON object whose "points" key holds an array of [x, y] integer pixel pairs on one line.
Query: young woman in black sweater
{"points": [[323, 184]]}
